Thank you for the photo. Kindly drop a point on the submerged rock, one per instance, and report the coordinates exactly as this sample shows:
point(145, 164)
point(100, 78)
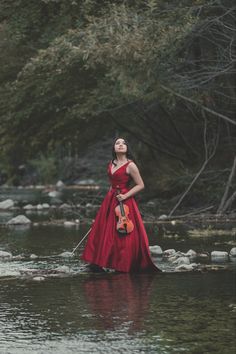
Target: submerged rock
point(69, 223)
point(19, 220)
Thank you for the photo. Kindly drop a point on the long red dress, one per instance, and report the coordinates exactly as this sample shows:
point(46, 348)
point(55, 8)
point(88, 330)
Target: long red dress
point(105, 246)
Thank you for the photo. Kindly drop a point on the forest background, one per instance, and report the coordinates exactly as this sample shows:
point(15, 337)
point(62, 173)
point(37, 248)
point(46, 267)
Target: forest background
point(76, 73)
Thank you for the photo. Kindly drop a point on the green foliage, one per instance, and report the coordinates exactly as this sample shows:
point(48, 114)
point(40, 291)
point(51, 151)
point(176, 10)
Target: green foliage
point(80, 60)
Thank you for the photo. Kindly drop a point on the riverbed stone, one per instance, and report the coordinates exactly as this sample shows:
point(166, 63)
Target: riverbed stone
point(29, 207)
point(219, 255)
point(6, 204)
point(19, 220)
point(69, 223)
point(186, 267)
point(191, 253)
point(38, 278)
point(169, 252)
point(156, 250)
point(233, 252)
point(182, 260)
point(5, 255)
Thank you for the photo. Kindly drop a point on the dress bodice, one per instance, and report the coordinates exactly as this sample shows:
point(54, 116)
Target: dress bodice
point(120, 178)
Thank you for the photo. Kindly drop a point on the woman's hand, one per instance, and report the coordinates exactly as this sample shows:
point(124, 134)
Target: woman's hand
point(121, 197)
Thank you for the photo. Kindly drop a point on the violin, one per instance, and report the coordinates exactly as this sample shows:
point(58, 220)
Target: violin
point(124, 224)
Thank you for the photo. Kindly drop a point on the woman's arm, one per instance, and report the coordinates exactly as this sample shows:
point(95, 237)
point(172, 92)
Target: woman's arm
point(133, 171)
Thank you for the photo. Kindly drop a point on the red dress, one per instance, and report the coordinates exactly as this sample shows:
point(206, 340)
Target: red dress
point(105, 246)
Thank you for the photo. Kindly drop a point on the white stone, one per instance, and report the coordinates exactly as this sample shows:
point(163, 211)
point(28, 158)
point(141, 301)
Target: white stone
point(4, 254)
point(191, 254)
point(33, 256)
point(63, 269)
point(28, 207)
point(65, 206)
point(156, 250)
point(6, 204)
point(89, 205)
point(54, 194)
point(39, 207)
point(233, 252)
point(45, 206)
point(219, 254)
point(60, 184)
point(86, 181)
point(19, 220)
point(169, 252)
point(66, 254)
point(38, 279)
point(186, 267)
point(182, 260)
point(69, 223)
point(163, 217)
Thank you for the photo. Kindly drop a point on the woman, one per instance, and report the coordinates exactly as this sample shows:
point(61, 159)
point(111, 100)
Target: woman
point(106, 247)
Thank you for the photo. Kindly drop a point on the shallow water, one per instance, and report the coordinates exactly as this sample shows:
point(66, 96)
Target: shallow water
point(78, 312)
point(71, 311)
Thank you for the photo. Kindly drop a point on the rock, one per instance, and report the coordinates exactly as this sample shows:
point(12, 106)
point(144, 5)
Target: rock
point(85, 182)
point(45, 206)
point(66, 254)
point(33, 256)
point(219, 255)
point(62, 269)
point(54, 194)
point(169, 252)
point(69, 223)
point(191, 254)
point(186, 267)
point(60, 184)
point(233, 252)
point(203, 255)
point(173, 222)
point(89, 205)
point(65, 206)
point(29, 207)
point(6, 204)
point(38, 279)
point(151, 203)
point(39, 207)
point(19, 220)
point(4, 254)
point(163, 217)
point(182, 260)
point(156, 250)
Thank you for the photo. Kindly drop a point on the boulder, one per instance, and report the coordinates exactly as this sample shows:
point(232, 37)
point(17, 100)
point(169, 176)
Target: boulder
point(69, 223)
point(6, 204)
point(60, 184)
point(233, 252)
point(219, 256)
point(19, 220)
point(29, 207)
point(156, 250)
point(5, 255)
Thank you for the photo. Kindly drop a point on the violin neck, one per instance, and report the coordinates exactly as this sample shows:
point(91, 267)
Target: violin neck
point(122, 209)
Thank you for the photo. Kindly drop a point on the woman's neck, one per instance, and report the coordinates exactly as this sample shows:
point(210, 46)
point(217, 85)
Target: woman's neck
point(121, 158)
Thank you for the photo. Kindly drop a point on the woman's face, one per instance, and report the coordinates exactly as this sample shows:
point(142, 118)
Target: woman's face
point(120, 146)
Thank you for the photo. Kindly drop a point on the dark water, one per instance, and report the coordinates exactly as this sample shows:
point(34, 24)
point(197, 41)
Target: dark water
point(72, 311)
point(105, 313)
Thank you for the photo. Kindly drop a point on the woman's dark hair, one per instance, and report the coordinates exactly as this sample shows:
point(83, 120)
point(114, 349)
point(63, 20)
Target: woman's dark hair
point(129, 154)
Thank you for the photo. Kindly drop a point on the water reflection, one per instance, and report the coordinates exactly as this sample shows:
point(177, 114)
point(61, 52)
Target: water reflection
point(119, 299)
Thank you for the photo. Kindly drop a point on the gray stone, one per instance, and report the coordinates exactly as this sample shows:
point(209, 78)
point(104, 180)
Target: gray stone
point(4, 254)
point(169, 252)
point(219, 254)
point(233, 252)
point(182, 260)
point(6, 204)
point(191, 254)
point(19, 220)
point(163, 217)
point(156, 250)
point(186, 267)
